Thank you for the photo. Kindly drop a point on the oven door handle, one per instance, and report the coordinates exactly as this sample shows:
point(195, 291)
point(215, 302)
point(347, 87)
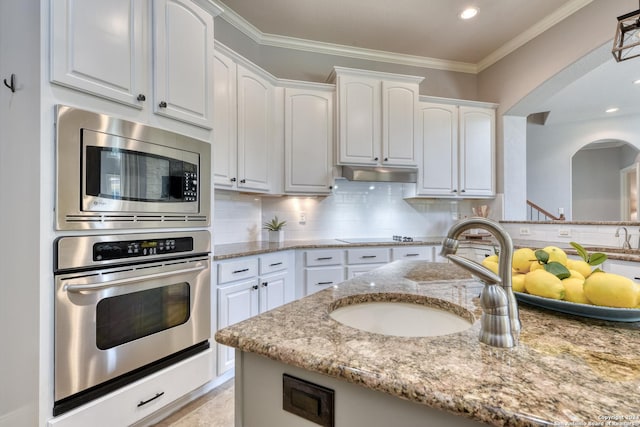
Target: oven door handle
point(103, 285)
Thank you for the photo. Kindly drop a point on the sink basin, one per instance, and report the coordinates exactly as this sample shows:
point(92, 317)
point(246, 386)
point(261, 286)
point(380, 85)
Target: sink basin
point(401, 319)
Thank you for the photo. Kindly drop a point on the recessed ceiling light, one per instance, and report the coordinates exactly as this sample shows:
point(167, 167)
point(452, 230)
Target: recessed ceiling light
point(611, 110)
point(469, 13)
point(636, 82)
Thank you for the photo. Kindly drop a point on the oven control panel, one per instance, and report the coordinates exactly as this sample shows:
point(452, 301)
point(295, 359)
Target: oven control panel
point(104, 251)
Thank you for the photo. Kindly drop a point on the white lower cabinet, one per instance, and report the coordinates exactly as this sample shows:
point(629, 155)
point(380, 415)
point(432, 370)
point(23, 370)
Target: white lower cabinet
point(320, 269)
point(362, 260)
point(423, 253)
point(126, 405)
point(248, 286)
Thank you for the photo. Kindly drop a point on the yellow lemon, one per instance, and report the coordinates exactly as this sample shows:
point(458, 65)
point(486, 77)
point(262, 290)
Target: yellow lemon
point(574, 291)
point(535, 265)
point(611, 290)
point(522, 258)
point(580, 266)
point(544, 284)
point(491, 265)
point(556, 254)
point(575, 274)
point(492, 258)
point(517, 282)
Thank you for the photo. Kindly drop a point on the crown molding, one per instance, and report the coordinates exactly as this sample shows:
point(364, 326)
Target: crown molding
point(285, 42)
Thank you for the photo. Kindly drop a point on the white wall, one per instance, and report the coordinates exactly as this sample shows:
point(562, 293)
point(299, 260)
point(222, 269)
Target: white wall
point(20, 183)
point(550, 149)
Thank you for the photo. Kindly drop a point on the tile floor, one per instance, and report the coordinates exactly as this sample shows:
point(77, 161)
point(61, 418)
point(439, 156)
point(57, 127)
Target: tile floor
point(214, 409)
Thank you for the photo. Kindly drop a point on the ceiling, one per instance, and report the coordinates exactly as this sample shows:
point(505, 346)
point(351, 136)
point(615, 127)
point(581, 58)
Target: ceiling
point(429, 33)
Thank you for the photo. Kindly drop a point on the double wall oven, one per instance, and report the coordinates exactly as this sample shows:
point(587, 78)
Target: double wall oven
point(127, 303)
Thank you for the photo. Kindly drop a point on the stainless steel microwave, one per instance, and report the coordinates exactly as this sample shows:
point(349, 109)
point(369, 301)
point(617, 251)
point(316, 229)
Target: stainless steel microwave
point(116, 174)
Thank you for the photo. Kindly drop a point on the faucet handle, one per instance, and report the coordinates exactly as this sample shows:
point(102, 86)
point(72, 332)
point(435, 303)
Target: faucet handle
point(477, 270)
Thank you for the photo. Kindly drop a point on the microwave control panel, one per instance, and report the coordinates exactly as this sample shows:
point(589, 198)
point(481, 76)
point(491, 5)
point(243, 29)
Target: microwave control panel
point(190, 190)
point(124, 249)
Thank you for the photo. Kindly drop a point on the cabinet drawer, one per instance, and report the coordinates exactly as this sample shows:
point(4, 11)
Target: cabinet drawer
point(367, 256)
point(412, 252)
point(273, 262)
point(122, 407)
point(322, 278)
point(324, 257)
point(243, 268)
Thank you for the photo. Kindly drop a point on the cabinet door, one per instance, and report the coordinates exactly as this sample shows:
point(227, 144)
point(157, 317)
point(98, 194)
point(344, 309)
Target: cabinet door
point(308, 139)
point(399, 140)
point(477, 148)
point(255, 104)
point(225, 121)
point(438, 174)
point(98, 47)
point(272, 290)
point(317, 279)
point(359, 109)
point(235, 303)
point(183, 62)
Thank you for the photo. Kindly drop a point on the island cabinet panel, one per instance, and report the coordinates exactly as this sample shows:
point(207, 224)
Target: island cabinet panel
point(458, 151)
point(377, 118)
point(104, 48)
point(259, 406)
point(243, 145)
point(308, 140)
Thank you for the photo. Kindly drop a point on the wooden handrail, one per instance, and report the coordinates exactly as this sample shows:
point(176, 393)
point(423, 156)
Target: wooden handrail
point(543, 212)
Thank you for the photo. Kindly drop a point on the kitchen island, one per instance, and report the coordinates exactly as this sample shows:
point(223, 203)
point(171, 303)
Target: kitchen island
point(565, 370)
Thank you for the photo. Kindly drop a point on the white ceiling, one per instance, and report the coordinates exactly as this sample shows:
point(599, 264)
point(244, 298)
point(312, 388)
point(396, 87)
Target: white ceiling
point(429, 32)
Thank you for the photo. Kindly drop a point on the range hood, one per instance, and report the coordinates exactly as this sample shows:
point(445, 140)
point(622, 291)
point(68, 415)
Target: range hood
point(379, 174)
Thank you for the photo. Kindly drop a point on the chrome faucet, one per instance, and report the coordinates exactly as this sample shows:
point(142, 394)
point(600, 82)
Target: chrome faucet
point(626, 244)
point(500, 322)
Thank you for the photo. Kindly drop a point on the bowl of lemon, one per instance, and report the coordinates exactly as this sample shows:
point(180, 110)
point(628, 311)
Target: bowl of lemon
point(548, 278)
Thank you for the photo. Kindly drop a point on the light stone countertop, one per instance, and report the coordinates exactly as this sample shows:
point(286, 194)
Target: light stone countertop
point(566, 370)
point(234, 250)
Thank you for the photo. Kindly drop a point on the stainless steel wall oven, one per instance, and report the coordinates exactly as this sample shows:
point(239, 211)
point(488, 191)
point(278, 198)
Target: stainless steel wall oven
point(116, 174)
point(127, 305)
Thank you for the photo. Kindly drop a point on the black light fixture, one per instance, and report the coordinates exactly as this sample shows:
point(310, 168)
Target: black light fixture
point(626, 43)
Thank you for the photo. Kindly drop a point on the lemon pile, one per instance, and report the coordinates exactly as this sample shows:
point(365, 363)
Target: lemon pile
point(549, 273)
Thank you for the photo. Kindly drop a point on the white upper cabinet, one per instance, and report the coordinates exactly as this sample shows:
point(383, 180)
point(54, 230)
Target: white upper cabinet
point(255, 108)
point(399, 123)
point(225, 123)
point(377, 118)
point(98, 47)
point(308, 139)
point(458, 151)
point(243, 126)
point(102, 48)
point(477, 151)
point(183, 61)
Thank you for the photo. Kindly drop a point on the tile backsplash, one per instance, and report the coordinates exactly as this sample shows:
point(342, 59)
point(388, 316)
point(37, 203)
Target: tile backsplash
point(354, 209)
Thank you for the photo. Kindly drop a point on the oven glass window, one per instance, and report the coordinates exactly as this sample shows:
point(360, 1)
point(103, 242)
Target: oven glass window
point(128, 317)
point(131, 175)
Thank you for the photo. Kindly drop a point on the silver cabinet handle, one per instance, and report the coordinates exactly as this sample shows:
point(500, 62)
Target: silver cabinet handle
point(324, 258)
point(412, 254)
point(324, 283)
point(119, 282)
point(368, 256)
point(240, 271)
point(275, 264)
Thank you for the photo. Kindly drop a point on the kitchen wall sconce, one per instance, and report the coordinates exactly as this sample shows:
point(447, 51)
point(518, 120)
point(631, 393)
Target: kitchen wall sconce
point(626, 43)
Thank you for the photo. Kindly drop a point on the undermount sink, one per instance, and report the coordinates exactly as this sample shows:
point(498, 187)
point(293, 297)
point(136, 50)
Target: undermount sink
point(402, 319)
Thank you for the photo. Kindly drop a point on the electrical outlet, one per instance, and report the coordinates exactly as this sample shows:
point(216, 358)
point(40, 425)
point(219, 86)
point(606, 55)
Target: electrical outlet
point(524, 231)
point(303, 218)
point(564, 232)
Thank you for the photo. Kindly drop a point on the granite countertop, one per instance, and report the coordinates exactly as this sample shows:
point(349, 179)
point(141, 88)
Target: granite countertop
point(233, 250)
point(565, 370)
